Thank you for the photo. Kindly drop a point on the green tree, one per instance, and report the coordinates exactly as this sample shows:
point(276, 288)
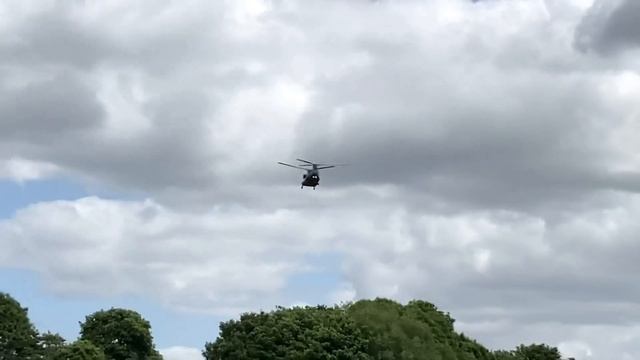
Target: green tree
point(417, 330)
point(313, 333)
point(394, 333)
point(377, 329)
point(79, 350)
point(506, 355)
point(121, 334)
point(537, 352)
point(50, 345)
point(18, 337)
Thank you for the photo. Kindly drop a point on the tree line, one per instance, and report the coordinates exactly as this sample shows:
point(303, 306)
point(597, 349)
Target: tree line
point(377, 329)
point(114, 334)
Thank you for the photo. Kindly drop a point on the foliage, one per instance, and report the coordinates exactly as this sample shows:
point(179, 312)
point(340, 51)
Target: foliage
point(79, 350)
point(377, 329)
point(506, 355)
point(529, 352)
point(299, 333)
point(18, 337)
point(50, 345)
point(369, 329)
point(122, 334)
point(537, 352)
point(417, 330)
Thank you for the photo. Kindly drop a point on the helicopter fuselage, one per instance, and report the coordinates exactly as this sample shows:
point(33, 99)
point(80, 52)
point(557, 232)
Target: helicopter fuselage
point(311, 178)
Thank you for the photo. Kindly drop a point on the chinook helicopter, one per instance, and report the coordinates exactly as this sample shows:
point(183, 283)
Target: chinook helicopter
point(312, 177)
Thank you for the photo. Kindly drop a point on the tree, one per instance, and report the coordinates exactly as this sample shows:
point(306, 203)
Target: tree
point(79, 350)
point(50, 345)
point(417, 330)
point(377, 329)
point(122, 334)
point(537, 352)
point(18, 337)
point(313, 333)
point(393, 332)
point(505, 355)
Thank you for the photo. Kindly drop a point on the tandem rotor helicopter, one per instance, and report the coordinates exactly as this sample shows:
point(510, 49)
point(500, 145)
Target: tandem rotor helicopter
point(312, 177)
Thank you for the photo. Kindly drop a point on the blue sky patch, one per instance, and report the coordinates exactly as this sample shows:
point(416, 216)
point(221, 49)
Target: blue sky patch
point(18, 195)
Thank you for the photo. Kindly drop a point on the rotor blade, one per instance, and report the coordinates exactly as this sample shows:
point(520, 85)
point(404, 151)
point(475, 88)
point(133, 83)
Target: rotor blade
point(325, 167)
point(293, 166)
point(333, 164)
point(305, 161)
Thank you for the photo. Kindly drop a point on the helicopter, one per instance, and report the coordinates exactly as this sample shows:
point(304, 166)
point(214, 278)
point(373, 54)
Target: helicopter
point(312, 177)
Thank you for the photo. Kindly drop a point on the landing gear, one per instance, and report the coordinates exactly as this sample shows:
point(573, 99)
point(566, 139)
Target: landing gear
point(301, 186)
point(314, 188)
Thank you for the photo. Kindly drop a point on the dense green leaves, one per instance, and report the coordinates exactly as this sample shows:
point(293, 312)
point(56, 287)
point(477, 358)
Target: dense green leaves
point(50, 345)
point(301, 333)
point(537, 352)
point(115, 334)
point(80, 350)
point(505, 355)
point(377, 329)
point(529, 352)
point(369, 329)
point(122, 334)
point(18, 337)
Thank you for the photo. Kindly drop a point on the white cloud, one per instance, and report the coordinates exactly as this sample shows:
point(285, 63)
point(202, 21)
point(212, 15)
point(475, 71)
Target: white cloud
point(20, 170)
point(219, 261)
point(123, 95)
point(575, 349)
point(344, 293)
point(181, 353)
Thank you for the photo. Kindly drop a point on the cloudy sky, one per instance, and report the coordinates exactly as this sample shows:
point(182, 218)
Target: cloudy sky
point(495, 163)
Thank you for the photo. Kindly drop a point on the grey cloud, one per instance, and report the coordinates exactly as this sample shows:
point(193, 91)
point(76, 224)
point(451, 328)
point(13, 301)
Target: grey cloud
point(62, 121)
point(49, 111)
point(170, 154)
point(55, 38)
point(70, 36)
point(580, 342)
point(186, 68)
point(464, 135)
point(610, 26)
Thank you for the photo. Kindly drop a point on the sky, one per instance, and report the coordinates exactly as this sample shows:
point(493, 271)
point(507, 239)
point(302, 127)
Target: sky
point(493, 150)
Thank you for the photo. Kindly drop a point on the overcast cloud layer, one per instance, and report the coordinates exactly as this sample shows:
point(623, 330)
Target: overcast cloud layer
point(493, 147)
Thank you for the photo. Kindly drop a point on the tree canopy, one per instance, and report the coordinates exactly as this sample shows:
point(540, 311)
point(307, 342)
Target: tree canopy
point(537, 352)
point(298, 333)
point(122, 334)
point(368, 329)
point(115, 334)
point(18, 337)
point(79, 350)
point(377, 329)
point(50, 345)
